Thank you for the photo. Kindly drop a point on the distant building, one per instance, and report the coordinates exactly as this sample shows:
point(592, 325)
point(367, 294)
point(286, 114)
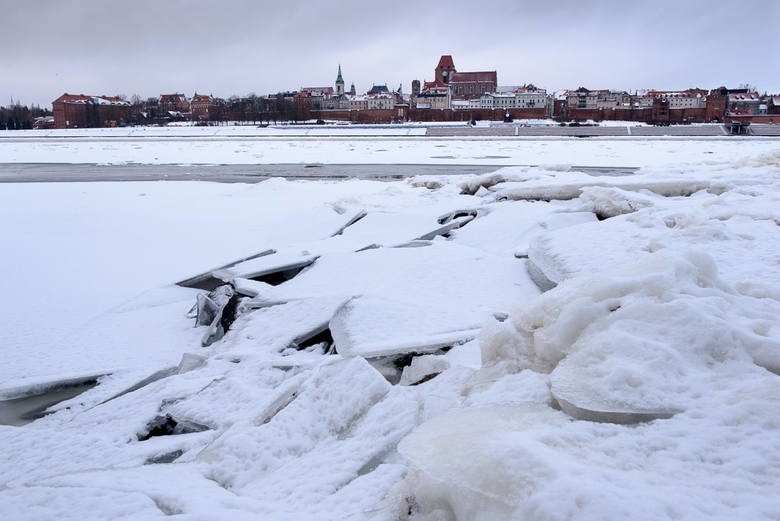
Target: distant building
point(520, 98)
point(686, 99)
point(340, 83)
point(434, 95)
point(320, 97)
point(378, 89)
point(326, 92)
point(464, 84)
point(585, 99)
point(177, 103)
point(82, 111)
point(201, 107)
point(773, 105)
point(378, 98)
point(530, 97)
point(415, 87)
point(743, 104)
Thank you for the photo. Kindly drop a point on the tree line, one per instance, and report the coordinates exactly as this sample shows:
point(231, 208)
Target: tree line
point(16, 116)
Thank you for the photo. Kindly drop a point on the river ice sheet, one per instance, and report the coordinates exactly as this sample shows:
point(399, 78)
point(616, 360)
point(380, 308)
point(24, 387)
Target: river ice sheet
point(665, 303)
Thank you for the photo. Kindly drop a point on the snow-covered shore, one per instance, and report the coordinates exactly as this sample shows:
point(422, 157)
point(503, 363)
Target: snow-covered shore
point(586, 347)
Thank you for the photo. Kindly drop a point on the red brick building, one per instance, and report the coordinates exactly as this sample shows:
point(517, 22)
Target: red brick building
point(773, 105)
point(202, 107)
point(464, 85)
point(717, 101)
point(173, 103)
point(82, 111)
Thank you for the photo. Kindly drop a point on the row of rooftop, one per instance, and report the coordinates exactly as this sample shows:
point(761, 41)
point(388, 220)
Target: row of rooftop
point(451, 96)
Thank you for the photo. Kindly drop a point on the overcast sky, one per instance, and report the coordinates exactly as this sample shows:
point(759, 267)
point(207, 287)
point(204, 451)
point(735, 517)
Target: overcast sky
point(149, 47)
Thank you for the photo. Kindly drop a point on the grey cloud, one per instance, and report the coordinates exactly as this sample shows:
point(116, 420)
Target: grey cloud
point(240, 46)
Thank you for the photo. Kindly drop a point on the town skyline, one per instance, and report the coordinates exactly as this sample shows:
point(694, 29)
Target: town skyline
point(249, 48)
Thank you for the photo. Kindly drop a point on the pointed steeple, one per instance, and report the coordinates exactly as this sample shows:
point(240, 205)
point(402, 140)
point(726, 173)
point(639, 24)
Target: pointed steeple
point(339, 83)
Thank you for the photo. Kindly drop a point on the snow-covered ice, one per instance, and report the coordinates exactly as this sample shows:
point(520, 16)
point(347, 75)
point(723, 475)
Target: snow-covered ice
point(581, 347)
point(248, 146)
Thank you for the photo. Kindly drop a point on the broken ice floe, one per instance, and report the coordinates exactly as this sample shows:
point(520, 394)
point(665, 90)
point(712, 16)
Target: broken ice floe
point(361, 327)
point(284, 327)
point(221, 306)
point(561, 191)
point(411, 367)
point(189, 362)
point(269, 267)
point(486, 182)
point(207, 281)
point(456, 214)
point(498, 466)
point(423, 368)
point(24, 404)
point(508, 227)
point(383, 228)
point(632, 346)
point(355, 217)
point(608, 202)
point(646, 223)
point(319, 337)
point(447, 227)
point(274, 269)
point(166, 425)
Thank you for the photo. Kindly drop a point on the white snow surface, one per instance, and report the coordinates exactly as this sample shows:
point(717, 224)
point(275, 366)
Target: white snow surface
point(643, 383)
point(356, 145)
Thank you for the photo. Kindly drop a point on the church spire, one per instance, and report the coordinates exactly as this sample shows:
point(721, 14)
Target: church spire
point(339, 83)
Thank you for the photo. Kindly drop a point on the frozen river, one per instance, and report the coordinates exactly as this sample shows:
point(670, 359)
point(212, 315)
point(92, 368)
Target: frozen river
point(40, 172)
point(466, 346)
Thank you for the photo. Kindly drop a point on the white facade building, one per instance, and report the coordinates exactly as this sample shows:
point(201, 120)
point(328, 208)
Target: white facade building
point(520, 98)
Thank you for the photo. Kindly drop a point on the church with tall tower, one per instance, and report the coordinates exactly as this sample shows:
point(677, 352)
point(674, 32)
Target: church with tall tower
point(463, 85)
point(339, 83)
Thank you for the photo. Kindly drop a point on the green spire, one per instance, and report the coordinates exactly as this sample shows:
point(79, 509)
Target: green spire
point(339, 79)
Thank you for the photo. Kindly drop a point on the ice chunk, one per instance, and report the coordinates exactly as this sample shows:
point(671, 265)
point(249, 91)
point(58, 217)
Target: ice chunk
point(206, 310)
point(31, 404)
point(509, 226)
point(451, 224)
point(190, 362)
point(274, 269)
point(423, 368)
point(168, 426)
point(362, 327)
point(496, 468)
point(226, 298)
point(354, 217)
point(633, 346)
point(559, 190)
point(208, 281)
point(608, 202)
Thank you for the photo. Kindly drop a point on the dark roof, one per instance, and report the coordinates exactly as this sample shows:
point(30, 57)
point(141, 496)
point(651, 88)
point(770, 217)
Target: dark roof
point(172, 98)
point(83, 98)
point(434, 83)
point(469, 77)
point(379, 89)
